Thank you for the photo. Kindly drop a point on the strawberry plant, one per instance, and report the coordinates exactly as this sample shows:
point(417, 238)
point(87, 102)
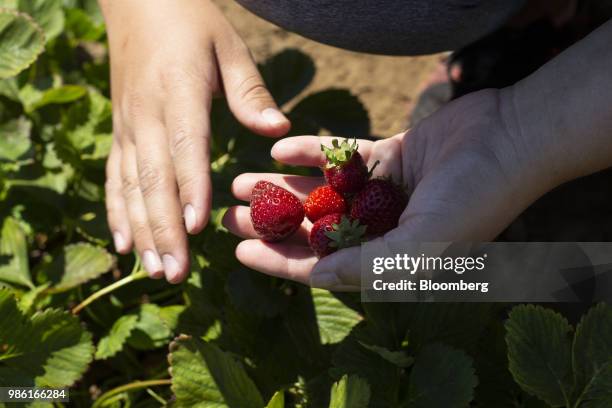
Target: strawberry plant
point(73, 314)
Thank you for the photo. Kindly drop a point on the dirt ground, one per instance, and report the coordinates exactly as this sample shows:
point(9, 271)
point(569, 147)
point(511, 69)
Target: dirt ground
point(388, 86)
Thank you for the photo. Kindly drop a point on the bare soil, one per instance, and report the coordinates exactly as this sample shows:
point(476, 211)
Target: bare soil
point(388, 86)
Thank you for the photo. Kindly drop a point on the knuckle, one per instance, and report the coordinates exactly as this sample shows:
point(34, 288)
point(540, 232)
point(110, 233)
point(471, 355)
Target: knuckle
point(187, 184)
point(130, 186)
point(150, 177)
point(183, 141)
point(252, 89)
point(163, 231)
point(140, 232)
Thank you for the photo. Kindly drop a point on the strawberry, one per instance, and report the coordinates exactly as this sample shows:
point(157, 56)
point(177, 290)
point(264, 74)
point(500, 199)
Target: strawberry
point(322, 201)
point(379, 205)
point(344, 169)
point(334, 231)
point(275, 212)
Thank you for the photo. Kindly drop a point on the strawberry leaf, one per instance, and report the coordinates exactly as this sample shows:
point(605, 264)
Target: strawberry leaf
point(46, 349)
point(539, 353)
point(335, 320)
point(113, 342)
point(21, 41)
point(14, 254)
point(77, 264)
point(442, 377)
point(205, 376)
point(350, 392)
point(398, 358)
point(592, 358)
point(277, 400)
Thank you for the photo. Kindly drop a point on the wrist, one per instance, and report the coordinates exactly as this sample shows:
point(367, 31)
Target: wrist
point(535, 167)
point(562, 113)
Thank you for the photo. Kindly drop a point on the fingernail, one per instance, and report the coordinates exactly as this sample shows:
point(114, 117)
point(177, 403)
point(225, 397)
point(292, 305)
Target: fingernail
point(120, 244)
point(190, 217)
point(325, 280)
point(273, 116)
point(152, 264)
point(171, 267)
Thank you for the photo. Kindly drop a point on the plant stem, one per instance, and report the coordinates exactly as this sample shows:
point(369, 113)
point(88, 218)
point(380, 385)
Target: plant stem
point(136, 385)
point(108, 289)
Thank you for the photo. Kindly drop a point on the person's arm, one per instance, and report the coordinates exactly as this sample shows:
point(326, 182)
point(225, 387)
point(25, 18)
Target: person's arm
point(168, 58)
point(470, 168)
point(563, 112)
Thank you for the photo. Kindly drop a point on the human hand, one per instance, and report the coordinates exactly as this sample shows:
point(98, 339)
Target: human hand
point(168, 58)
point(468, 175)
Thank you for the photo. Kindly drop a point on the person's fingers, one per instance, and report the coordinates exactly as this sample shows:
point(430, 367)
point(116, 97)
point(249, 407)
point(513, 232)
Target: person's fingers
point(116, 210)
point(388, 153)
point(306, 150)
point(160, 194)
point(277, 259)
point(245, 90)
point(301, 186)
point(137, 213)
point(340, 271)
point(187, 123)
point(238, 221)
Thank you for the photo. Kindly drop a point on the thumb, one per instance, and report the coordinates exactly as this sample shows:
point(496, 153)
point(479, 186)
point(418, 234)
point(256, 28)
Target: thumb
point(340, 271)
point(246, 92)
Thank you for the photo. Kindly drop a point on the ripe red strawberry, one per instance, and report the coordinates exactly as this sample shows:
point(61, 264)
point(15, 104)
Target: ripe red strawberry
point(275, 212)
point(333, 232)
point(379, 205)
point(322, 201)
point(344, 169)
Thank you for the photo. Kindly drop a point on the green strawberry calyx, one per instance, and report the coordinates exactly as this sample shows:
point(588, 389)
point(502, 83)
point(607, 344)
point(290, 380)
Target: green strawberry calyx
point(340, 153)
point(346, 234)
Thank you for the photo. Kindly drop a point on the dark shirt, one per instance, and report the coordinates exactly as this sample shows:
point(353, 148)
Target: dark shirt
point(392, 27)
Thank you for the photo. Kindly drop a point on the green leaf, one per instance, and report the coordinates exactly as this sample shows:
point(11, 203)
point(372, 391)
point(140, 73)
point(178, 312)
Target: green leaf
point(170, 315)
point(350, 392)
point(192, 382)
point(28, 299)
point(14, 266)
point(59, 95)
point(277, 400)
point(336, 110)
point(592, 358)
point(77, 264)
point(85, 131)
point(151, 330)
point(335, 320)
point(47, 349)
point(21, 41)
point(382, 376)
point(113, 342)
point(205, 376)
point(10, 88)
point(231, 378)
point(10, 4)
point(15, 139)
point(455, 324)
point(82, 27)
point(398, 358)
point(539, 353)
point(47, 13)
point(442, 377)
